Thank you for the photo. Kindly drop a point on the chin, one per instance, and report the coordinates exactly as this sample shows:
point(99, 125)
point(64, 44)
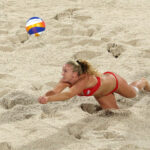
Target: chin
point(65, 80)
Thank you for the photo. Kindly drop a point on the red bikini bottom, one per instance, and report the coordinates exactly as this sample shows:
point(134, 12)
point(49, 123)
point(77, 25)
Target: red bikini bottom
point(116, 83)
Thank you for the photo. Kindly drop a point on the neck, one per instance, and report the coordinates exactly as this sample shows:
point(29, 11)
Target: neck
point(77, 78)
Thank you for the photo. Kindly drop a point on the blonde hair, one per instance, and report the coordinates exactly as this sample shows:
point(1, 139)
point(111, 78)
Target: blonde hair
point(83, 67)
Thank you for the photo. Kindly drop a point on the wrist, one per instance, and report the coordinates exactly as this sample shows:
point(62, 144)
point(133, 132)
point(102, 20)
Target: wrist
point(48, 98)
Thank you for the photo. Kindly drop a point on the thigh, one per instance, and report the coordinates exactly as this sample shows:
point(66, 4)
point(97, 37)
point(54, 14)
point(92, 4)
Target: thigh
point(108, 102)
point(125, 89)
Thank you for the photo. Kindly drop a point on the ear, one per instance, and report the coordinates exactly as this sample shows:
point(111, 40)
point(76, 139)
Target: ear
point(75, 74)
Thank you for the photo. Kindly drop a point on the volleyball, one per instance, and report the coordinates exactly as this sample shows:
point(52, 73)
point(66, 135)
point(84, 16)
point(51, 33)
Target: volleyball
point(35, 25)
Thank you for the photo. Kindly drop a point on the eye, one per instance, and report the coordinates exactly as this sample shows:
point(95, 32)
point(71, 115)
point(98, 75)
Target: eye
point(64, 70)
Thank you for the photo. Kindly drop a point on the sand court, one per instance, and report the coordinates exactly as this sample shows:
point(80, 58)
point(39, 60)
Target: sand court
point(112, 35)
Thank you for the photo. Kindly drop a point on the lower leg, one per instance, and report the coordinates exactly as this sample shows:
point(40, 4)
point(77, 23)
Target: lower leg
point(108, 102)
point(141, 84)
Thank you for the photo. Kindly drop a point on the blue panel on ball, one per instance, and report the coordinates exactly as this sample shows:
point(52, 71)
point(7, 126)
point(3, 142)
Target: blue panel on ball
point(36, 30)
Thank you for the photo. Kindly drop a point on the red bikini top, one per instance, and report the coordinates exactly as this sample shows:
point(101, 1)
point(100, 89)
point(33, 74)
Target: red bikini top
point(92, 90)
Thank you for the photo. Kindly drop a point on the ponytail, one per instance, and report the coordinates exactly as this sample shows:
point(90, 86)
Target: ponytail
point(83, 67)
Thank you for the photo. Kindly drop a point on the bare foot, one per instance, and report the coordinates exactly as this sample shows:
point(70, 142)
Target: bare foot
point(147, 85)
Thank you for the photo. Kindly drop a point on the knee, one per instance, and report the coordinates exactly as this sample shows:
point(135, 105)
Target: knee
point(135, 91)
point(132, 94)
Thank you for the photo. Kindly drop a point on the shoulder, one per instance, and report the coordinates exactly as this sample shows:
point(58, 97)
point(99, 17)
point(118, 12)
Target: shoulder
point(67, 84)
point(81, 82)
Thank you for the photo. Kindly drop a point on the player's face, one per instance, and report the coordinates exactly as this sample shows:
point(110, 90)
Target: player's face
point(67, 72)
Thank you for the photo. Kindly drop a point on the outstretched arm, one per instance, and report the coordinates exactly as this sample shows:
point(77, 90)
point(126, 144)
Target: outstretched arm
point(73, 91)
point(49, 93)
point(55, 97)
point(60, 96)
point(59, 87)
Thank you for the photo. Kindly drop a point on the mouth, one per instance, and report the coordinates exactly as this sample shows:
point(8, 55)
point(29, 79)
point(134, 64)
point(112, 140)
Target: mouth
point(63, 77)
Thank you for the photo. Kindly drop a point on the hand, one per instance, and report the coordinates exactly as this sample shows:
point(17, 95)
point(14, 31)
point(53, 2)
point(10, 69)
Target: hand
point(43, 100)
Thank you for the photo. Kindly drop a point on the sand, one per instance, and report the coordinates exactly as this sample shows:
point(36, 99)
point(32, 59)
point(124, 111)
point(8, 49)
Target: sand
point(112, 35)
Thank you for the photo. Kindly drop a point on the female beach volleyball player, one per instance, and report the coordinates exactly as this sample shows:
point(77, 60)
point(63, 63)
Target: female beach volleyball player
point(83, 80)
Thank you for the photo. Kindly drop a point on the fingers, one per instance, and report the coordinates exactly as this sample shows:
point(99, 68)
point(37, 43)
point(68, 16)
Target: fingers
point(42, 100)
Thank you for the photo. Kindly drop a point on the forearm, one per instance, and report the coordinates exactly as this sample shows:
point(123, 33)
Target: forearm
point(59, 97)
point(49, 93)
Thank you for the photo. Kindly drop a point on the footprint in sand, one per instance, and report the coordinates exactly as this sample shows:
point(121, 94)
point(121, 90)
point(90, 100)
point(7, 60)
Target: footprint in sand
point(19, 113)
point(114, 112)
point(86, 30)
point(90, 108)
point(5, 146)
point(115, 49)
point(86, 55)
point(50, 111)
point(17, 98)
point(68, 15)
point(65, 14)
point(76, 130)
point(126, 103)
